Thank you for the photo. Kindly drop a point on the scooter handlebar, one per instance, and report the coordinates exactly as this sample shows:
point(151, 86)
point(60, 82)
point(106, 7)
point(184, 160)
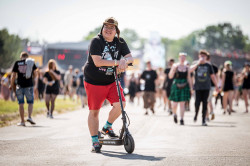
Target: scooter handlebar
point(130, 64)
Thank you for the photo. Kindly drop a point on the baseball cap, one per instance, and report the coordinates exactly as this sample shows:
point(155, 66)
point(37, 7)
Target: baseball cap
point(111, 21)
point(228, 63)
point(182, 53)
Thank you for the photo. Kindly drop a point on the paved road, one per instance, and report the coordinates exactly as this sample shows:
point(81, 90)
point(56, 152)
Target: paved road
point(65, 140)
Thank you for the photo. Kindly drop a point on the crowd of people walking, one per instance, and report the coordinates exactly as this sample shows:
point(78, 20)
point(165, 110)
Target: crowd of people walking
point(174, 86)
point(28, 81)
point(202, 80)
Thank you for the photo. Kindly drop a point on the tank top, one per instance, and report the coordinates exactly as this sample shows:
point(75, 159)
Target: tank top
point(229, 81)
point(246, 82)
point(180, 74)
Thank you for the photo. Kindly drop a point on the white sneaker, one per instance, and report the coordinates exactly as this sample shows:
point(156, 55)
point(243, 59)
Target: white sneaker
point(31, 121)
point(21, 124)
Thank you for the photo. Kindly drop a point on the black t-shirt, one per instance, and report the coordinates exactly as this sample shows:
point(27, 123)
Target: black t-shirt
point(168, 82)
point(108, 51)
point(55, 86)
point(74, 80)
point(81, 78)
point(202, 77)
point(149, 77)
point(20, 68)
point(215, 68)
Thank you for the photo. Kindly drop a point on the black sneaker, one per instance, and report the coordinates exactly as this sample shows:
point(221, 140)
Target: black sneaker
point(31, 121)
point(153, 111)
point(96, 148)
point(182, 122)
point(195, 118)
point(204, 124)
point(175, 118)
point(170, 112)
point(110, 132)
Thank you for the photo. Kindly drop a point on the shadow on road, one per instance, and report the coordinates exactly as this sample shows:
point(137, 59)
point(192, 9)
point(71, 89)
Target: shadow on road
point(60, 118)
point(132, 156)
point(219, 122)
point(210, 125)
point(36, 126)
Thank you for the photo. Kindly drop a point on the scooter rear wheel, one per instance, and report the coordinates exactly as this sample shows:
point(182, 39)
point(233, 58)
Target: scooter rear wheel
point(129, 143)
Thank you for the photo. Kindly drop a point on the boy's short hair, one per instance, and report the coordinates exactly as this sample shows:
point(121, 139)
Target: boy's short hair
point(171, 60)
point(24, 55)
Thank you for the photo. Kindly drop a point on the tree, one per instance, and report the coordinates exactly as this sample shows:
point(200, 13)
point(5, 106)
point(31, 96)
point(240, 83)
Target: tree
point(186, 44)
point(222, 36)
point(10, 48)
point(93, 33)
point(132, 39)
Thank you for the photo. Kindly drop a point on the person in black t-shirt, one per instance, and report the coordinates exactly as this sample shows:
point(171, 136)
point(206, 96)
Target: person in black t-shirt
point(150, 76)
point(51, 79)
point(106, 49)
point(132, 88)
point(40, 85)
point(74, 84)
point(81, 92)
point(25, 70)
point(203, 75)
point(167, 86)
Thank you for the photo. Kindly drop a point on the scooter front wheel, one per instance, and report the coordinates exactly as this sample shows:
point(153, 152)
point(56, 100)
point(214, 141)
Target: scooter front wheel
point(129, 143)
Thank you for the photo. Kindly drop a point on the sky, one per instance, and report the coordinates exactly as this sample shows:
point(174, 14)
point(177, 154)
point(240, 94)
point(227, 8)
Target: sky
point(71, 20)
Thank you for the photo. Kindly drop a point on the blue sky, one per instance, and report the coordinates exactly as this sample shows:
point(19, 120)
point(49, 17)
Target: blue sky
point(71, 20)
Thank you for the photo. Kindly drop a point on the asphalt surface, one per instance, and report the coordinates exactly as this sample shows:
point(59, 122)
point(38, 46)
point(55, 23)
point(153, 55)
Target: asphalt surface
point(65, 140)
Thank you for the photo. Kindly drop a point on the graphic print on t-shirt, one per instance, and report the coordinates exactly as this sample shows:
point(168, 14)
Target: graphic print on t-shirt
point(202, 73)
point(148, 76)
point(107, 51)
point(22, 68)
point(107, 55)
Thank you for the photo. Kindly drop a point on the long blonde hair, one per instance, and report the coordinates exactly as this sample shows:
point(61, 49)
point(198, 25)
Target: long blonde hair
point(50, 67)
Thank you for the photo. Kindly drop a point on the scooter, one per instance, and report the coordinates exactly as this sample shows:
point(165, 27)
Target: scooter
point(125, 138)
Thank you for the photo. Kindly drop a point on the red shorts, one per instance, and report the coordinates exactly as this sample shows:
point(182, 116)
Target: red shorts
point(98, 93)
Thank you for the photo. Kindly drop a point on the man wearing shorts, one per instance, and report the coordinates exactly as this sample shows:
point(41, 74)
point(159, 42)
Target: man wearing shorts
point(106, 49)
point(24, 69)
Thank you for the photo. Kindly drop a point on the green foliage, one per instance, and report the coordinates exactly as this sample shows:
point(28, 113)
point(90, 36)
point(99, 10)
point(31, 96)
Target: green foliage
point(222, 36)
point(93, 33)
point(132, 38)
point(186, 44)
point(9, 110)
point(10, 48)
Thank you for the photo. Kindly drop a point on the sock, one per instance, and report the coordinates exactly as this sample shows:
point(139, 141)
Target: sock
point(107, 125)
point(95, 138)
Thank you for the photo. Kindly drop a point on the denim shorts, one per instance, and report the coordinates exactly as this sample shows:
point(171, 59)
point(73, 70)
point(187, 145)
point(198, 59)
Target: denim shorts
point(27, 92)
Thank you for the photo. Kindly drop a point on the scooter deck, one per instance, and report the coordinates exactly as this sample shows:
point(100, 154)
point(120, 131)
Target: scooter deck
point(115, 141)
